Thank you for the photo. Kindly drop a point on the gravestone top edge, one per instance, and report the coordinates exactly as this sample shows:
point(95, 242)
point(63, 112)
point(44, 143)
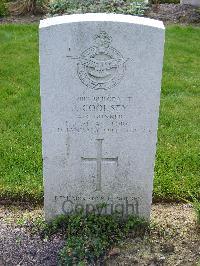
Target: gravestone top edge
point(101, 17)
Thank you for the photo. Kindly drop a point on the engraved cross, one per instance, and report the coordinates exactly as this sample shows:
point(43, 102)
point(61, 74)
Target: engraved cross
point(99, 159)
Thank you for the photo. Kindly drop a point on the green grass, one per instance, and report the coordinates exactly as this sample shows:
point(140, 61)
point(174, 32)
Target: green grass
point(178, 154)
point(196, 207)
point(178, 151)
point(20, 135)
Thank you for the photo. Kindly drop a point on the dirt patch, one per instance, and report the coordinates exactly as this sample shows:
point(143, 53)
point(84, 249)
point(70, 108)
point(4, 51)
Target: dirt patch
point(168, 13)
point(175, 13)
point(29, 19)
point(174, 239)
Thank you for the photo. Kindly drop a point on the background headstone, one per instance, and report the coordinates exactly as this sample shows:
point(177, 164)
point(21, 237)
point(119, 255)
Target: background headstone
point(100, 93)
point(191, 2)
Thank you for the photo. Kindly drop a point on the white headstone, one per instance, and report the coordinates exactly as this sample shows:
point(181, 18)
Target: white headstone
point(100, 92)
point(191, 2)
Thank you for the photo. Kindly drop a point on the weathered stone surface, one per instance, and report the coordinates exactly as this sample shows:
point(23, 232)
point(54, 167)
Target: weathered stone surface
point(191, 2)
point(100, 93)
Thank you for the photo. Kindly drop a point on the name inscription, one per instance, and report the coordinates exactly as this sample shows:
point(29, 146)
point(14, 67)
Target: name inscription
point(97, 114)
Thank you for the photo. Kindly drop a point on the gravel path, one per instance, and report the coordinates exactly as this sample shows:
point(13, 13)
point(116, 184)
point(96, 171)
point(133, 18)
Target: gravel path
point(18, 244)
point(174, 239)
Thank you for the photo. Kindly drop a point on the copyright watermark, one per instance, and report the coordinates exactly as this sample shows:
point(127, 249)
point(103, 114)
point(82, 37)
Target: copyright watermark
point(123, 208)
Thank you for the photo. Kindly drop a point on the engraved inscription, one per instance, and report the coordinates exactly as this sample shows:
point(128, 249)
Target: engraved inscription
point(100, 114)
point(99, 159)
point(101, 67)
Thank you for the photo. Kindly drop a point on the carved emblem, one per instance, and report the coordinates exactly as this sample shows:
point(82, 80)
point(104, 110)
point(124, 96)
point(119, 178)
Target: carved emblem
point(101, 66)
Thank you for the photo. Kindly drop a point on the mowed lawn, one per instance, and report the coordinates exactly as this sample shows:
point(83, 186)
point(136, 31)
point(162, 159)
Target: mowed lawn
point(177, 169)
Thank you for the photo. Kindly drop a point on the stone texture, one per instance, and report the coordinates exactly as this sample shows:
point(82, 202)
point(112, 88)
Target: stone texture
point(191, 2)
point(100, 93)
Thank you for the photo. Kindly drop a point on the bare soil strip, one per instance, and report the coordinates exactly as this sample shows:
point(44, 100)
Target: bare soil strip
point(174, 239)
point(168, 13)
